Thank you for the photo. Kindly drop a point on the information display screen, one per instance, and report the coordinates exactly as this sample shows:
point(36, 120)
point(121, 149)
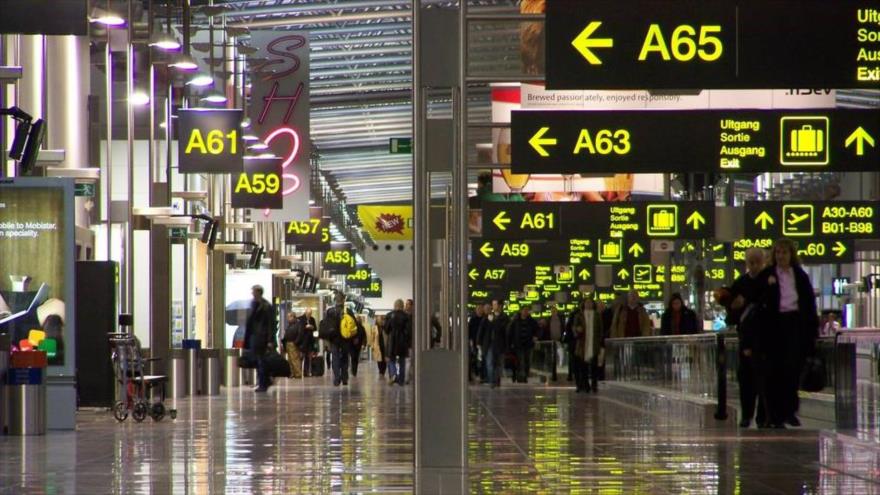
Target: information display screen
point(721, 141)
point(744, 44)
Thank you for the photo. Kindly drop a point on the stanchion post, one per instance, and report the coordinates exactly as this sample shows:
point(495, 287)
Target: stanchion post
point(721, 370)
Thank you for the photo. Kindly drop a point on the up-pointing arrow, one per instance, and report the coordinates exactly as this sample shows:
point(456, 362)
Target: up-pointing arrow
point(860, 136)
point(764, 219)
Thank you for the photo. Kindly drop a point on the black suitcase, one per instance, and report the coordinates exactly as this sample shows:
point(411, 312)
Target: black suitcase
point(317, 366)
point(276, 365)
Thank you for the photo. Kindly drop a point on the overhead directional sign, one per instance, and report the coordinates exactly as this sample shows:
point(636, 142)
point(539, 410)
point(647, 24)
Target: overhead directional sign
point(309, 235)
point(662, 220)
point(811, 251)
point(807, 220)
point(259, 186)
point(723, 141)
point(666, 44)
point(374, 290)
point(360, 278)
point(209, 140)
point(340, 259)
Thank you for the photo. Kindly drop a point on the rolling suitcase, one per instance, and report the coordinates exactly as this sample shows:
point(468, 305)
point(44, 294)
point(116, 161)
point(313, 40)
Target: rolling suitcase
point(317, 366)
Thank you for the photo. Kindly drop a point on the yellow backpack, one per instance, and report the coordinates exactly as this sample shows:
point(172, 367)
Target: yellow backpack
point(348, 326)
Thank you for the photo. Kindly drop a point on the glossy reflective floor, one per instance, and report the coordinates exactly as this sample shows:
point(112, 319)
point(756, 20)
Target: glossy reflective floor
point(310, 437)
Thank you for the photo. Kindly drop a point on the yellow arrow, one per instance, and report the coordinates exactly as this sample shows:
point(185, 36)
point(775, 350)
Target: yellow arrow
point(584, 274)
point(473, 274)
point(764, 219)
point(860, 136)
point(501, 220)
point(636, 249)
point(623, 273)
point(487, 249)
point(583, 43)
point(839, 248)
point(695, 219)
point(538, 141)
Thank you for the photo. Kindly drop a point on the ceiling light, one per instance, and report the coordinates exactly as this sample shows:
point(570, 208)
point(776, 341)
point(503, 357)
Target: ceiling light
point(250, 137)
point(201, 80)
point(259, 146)
point(106, 17)
point(246, 123)
point(164, 41)
point(184, 62)
point(139, 98)
point(163, 125)
point(214, 97)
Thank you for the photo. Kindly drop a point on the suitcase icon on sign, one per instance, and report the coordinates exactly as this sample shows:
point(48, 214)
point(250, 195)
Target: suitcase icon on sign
point(803, 141)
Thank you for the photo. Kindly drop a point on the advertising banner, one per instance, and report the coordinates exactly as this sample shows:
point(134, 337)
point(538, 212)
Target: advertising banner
point(387, 222)
point(279, 115)
point(36, 265)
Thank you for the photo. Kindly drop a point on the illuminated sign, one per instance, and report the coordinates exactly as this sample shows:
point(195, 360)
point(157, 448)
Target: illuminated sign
point(662, 220)
point(361, 278)
point(726, 45)
point(309, 235)
point(374, 289)
point(209, 141)
point(808, 220)
point(728, 141)
point(259, 186)
point(810, 251)
point(340, 259)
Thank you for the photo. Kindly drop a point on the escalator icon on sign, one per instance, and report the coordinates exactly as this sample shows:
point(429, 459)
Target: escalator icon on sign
point(804, 141)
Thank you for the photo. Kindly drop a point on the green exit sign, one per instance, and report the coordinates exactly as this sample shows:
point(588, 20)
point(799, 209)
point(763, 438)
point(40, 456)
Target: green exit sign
point(86, 190)
point(402, 146)
point(177, 234)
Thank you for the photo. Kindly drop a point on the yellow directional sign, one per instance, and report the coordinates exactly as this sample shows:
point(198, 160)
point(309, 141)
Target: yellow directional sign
point(663, 220)
point(636, 249)
point(839, 249)
point(764, 219)
point(584, 43)
point(642, 274)
point(584, 274)
point(474, 274)
point(623, 273)
point(538, 141)
point(487, 250)
point(860, 136)
point(501, 220)
point(695, 220)
point(610, 251)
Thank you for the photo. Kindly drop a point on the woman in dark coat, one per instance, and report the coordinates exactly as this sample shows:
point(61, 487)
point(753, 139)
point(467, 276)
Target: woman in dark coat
point(589, 341)
point(790, 325)
point(678, 319)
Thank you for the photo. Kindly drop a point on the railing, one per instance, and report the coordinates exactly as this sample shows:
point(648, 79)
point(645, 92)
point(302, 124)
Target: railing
point(857, 384)
point(550, 360)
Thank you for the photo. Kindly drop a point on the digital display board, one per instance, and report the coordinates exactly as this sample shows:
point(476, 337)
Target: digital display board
point(809, 220)
point(644, 220)
point(721, 141)
point(209, 141)
point(745, 44)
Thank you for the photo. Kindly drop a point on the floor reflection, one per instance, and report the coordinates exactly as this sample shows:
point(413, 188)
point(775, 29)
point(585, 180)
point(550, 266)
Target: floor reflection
point(311, 437)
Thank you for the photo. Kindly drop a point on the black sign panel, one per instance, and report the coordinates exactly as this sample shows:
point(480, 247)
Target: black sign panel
point(722, 141)
point(209, 141)
point(309, 235)
point(660, 220)
point(361, 277)
point(340, 259)
point(810, 251)
point(44, 17)
point(374, 290)
point(680, 44)
point(259, 186)
point(808, 220)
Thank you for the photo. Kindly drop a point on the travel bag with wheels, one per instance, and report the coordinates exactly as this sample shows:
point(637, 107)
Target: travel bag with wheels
point(276, 365)
point(317, 366)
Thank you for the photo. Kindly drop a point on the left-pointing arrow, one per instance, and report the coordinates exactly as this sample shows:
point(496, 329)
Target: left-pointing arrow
point(501, 220)
point(487, 249)
point(583, 43)
point(538, 141)
point(473, 274)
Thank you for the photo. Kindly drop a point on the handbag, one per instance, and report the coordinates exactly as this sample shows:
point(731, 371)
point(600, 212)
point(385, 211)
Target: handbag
point(276, 365)
point(813, 375)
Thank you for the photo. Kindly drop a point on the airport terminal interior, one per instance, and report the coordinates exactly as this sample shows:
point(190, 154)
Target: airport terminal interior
point(439, 247)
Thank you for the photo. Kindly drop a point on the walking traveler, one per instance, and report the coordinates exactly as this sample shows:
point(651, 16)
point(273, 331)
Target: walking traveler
point(556, 327)
point(376, 341)
point(589, 344)
point(338, 328)
point(473, 331)
point(523, 330)
point(259, 334)
point(678, 319)
point(399, 338)
point(631, 319)
point(493, 341)
point(307, 345)
point(357, 344)
point(292, 340)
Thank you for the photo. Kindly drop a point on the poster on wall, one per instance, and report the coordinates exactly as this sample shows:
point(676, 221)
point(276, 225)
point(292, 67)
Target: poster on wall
point(387, 222)
point(279, 115)
point(36, 265)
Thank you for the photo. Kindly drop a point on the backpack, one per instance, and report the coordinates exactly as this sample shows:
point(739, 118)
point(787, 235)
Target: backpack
point(348, 327)
point(328, 328)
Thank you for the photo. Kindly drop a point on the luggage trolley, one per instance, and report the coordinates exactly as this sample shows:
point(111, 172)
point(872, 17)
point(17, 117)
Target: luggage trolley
point(136, 387)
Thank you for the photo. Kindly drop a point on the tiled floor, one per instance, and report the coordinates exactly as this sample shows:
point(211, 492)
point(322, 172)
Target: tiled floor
point(313, 438)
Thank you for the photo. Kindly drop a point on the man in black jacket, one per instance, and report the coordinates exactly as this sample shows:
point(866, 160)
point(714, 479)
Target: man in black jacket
point(473, 333)
point(743, 294)
point(493, 341)
point(398, 340)
point(340, 347)
point(293, 335)
point(259, 334)
point(307, 341)
point(523, 330)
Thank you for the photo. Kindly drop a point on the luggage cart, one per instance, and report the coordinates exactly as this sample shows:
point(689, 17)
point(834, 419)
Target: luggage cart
point(135, 386)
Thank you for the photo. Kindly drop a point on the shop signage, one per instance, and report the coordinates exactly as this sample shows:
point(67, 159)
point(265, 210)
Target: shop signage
point(809, 220)
point(309, 235)
point(374, 290)
point(340, 259)
point(259, 186)
point(209, 141)
point(361, 277)
point(663, 44)
point(279, 115)
point(387, 222)
point(662, 220)
point(401, 146)
point(723, 141)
